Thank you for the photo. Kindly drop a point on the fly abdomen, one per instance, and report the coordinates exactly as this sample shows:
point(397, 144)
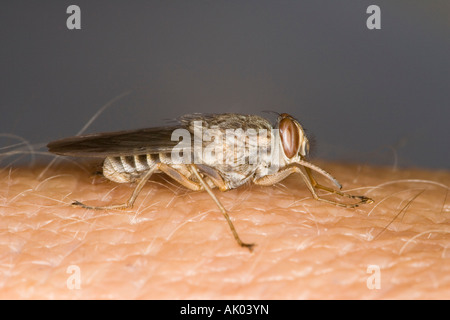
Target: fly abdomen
point(124, 169)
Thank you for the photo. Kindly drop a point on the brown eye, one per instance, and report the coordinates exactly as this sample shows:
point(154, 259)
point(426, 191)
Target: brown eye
point(290, 138)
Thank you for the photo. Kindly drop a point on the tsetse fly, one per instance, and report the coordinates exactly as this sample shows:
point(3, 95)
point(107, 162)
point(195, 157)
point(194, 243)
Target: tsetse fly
point(206, 151)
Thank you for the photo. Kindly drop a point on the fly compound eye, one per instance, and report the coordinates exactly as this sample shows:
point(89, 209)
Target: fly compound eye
point(290, 136)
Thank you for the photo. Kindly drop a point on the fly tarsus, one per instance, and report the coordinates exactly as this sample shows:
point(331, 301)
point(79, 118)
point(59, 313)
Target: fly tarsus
point(115, 207)
point(249, 246)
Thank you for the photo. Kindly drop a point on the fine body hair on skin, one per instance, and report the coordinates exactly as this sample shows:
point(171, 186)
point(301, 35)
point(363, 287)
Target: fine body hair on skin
point(175, 243)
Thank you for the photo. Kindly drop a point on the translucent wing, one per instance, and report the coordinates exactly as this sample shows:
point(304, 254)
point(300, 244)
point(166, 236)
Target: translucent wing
point(120, 143)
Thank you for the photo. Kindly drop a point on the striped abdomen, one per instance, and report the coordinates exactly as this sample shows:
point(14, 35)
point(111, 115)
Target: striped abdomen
point(128, 168)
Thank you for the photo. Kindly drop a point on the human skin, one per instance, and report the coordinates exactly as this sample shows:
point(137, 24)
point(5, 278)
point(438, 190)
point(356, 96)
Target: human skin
point(175, 243)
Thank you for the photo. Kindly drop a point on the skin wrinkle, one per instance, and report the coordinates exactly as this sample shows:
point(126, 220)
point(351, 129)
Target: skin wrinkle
point(175, 244)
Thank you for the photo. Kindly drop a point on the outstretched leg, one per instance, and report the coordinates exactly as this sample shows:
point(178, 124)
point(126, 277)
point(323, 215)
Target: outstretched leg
point(171, 172)
point(130, 201)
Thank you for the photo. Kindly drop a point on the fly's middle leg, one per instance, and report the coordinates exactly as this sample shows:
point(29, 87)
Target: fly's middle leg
point(222, 186)
point(203, 185)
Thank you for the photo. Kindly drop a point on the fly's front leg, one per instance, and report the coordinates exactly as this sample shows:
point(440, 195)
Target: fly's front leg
point(310, 183)
point(214, 177)
point(316, 185)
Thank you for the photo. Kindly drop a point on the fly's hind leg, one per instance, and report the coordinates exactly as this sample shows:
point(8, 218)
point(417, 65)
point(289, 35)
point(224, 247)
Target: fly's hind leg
point(186, 182)
point(130, 201)
point(171, 172)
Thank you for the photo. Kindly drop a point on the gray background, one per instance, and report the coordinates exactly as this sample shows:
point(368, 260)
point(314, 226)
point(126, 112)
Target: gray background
point(368, 96)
